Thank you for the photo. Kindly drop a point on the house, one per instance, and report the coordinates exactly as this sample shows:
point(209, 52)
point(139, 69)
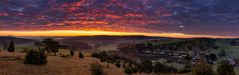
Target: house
point(169, 55)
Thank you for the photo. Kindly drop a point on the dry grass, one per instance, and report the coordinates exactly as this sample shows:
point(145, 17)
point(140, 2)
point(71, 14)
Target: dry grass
point(12, 64)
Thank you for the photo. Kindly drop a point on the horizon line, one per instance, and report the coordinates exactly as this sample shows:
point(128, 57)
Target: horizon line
point(68, 33)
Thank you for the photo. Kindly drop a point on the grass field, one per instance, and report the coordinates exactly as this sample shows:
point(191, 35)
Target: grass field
point(12, 64)
point(231, 51)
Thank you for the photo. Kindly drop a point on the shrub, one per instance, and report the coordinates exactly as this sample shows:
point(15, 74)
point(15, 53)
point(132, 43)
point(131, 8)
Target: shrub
point(96, 55)
point(118, 65)
point(103, 56)
point(11, 47)
point(51, 45)
point(146, 66)
point(128, 70)
point(81, 55)
point(212, 57)
point(35, 57)
point(171, 69)
point(225, 68)
point(97, 69)
point(186, 69)
point(25, 49)
point(72, 53)
point(203, 69)
point(135, 68)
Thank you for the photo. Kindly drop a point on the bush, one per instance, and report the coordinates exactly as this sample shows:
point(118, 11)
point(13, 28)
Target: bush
point(146, 66)
point(135, 69)
point(35, 57)
point(25, 49)
point(97, 69)
point(171, 69)
point(162, 68)
point(72, 53)
point(212, 57)
point(103, 56)
point(186, 69)
point(95, 55)
point(118, 65)
point(128, 70)
point(81, 55)
point(11, 47)
point(225, 68)
point(203, 69)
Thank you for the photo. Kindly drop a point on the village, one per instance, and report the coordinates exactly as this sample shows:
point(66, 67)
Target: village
point(182, 56)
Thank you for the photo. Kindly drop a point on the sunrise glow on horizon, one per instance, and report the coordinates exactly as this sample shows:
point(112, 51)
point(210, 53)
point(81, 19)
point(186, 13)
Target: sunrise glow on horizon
point(94, 33)
point(167, 18)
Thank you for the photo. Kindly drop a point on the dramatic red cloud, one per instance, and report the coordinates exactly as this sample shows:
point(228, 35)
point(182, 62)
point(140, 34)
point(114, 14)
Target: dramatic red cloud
point(141, 16)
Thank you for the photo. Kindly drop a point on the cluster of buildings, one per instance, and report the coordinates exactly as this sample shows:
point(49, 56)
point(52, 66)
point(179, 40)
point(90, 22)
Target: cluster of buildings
point(168, 55)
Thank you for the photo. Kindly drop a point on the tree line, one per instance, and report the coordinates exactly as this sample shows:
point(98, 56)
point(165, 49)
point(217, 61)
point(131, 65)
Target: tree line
point(147, 66)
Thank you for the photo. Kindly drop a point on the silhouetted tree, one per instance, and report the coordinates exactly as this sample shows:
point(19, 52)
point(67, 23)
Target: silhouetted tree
point(11, 47)
point(72, 53)
point(81, 55)
point(96, 55)
point(158, 68)
point(225, 68)
point(128, 70)
point(51, 45)
point(118, 64)
point(124, 65)
point(146, 66)
point(212, 56)
point(203, 69)
point(97, 69)
point(186, 69)
point(35, 57)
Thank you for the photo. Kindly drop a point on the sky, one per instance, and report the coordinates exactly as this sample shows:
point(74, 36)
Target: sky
point(173, 18)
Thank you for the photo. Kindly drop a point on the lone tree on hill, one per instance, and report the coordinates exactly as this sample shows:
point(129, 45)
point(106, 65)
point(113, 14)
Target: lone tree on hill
point(51, 45)
point(11, 47)
point(225, 68)
point(72, 53)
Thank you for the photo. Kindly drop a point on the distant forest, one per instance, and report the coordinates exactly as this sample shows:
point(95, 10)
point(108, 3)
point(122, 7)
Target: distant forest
point(179, 45)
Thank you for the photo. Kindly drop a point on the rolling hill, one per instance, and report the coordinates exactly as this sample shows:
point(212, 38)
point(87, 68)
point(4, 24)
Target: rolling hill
point(17, 41)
